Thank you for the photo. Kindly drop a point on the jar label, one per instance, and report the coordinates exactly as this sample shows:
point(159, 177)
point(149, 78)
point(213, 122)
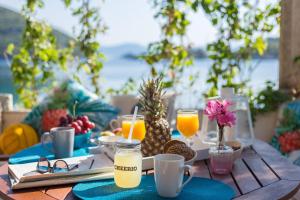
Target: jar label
point(124, 168)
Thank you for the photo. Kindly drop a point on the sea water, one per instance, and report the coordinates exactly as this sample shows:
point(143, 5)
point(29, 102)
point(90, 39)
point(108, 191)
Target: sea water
point(118, 70)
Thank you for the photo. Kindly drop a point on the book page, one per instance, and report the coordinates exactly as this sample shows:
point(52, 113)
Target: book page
point(59, 181)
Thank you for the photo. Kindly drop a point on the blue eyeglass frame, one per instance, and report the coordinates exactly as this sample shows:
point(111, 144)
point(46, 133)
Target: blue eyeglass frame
point(52, 169)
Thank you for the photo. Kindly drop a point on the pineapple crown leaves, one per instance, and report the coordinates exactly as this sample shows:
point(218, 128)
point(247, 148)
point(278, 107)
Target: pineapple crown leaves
point(151, 100)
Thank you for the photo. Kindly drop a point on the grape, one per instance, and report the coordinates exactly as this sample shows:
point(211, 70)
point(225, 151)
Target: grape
point(63, 120)
point(84, 118)
point(91, 125)
point(76, 127)
point(79, 122)
point(85, 124)
point(74, 123)
point(70, 119)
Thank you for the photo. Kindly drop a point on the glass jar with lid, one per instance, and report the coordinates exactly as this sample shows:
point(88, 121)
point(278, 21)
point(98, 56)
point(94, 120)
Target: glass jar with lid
point(128, 164)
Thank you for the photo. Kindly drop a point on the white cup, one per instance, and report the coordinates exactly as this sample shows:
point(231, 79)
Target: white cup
point(168, 174)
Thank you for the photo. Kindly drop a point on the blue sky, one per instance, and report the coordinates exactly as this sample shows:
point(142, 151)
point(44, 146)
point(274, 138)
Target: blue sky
point(129, 21)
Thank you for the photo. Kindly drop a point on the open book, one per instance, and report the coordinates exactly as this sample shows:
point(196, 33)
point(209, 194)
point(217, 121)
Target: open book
point(91, 167)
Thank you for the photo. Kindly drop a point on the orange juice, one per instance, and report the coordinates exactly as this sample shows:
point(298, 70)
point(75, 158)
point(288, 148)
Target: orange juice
point(187, 124)
point(139, 130)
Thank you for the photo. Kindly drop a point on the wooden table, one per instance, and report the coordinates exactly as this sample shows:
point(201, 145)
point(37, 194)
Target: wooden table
point(261, 173)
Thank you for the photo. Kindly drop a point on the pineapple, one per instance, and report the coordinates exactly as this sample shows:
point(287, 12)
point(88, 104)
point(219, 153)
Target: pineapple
point(157, 127)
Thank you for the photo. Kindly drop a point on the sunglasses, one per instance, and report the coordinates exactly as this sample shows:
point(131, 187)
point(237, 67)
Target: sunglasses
point(44, 166)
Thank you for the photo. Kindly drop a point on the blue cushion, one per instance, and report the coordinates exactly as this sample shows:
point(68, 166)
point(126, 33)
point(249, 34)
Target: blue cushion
point(291, 116)
point(89, 104)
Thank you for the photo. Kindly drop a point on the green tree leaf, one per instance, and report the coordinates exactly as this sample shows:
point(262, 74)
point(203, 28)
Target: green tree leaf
point(260, 45)
point(10, 48)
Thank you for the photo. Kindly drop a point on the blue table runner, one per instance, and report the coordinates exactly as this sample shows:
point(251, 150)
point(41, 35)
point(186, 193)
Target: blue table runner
point(197, 188)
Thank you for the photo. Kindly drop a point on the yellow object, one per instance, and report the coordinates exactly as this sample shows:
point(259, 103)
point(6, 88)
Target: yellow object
point(127, 169)
point(139, 130)
point(17, 137)
point(107, 133)
point(187, 124)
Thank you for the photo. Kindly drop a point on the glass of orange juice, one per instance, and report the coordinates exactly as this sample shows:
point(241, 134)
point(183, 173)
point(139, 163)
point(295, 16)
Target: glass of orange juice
point(188, 123)
point(139, 130)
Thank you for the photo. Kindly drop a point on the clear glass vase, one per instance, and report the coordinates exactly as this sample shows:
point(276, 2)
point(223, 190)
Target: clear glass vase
point(221, 159)
point(221, 156)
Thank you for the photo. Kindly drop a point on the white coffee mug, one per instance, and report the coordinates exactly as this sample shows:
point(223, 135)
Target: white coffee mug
point(115, 123)
point(168, 174)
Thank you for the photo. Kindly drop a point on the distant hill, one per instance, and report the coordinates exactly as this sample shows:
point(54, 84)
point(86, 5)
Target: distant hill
point(132, 51)
point(12, 25)
point(272, 50)
point(127, 50)
point(11, 28)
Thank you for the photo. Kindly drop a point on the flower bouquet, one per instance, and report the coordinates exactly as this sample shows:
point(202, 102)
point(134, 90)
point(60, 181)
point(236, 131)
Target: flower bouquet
point(221, 156)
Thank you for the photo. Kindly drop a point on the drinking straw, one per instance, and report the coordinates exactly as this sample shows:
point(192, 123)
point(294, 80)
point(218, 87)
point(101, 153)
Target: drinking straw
point(132, 123)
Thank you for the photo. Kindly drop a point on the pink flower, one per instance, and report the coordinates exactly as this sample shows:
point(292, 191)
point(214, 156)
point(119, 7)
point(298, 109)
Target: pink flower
point(219, 110)
point(227, 119)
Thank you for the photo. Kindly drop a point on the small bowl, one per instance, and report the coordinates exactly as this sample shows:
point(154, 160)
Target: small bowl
point(191, 161)
point(105, 140)
point(82, 140)
point(236, 153)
